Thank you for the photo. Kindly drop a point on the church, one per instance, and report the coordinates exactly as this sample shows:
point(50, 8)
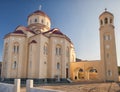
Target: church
point(38, 51)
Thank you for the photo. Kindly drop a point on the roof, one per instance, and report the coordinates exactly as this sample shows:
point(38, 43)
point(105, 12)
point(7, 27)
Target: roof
point(24, 28)
point(54, 31)
point(105, 13)
point(33, 41)
point(19, 32)
point(39, 12)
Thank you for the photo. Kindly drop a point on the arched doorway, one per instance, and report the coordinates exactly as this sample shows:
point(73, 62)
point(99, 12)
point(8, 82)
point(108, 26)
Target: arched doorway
point(78, 74)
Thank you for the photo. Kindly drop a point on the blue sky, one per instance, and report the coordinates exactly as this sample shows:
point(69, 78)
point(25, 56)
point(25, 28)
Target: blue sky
point(78, 19)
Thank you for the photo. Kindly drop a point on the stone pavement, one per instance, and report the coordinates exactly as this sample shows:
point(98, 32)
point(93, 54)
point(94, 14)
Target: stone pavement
point(93, 87)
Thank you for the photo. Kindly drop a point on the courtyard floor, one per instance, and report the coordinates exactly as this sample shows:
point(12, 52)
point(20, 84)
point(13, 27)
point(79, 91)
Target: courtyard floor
point(78, 87)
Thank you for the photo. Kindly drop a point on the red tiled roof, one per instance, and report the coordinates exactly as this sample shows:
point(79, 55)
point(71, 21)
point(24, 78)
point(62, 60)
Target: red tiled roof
point(26, 29)
point(19, 32)
point(33, 41)
point(54, 31)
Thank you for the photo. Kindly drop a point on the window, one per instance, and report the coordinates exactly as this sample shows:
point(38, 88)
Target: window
point(93, 70)
point(110, 20)
point(16, 48)
point(58, 50)
point(45, 49)
point(14, 65)
point(58, 65)
point(80, 70)
point(42, 21)
point(101, 22)
point(35, 20)
point(107, 37)
point(109, 73)
point(106, 20)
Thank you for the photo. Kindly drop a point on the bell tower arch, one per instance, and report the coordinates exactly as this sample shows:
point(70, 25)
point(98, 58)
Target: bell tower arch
point(108, 46)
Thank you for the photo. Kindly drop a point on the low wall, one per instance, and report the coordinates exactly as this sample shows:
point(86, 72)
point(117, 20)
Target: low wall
point(30, 88)
point(6, 87)
point(10, 87)
point(43, 90)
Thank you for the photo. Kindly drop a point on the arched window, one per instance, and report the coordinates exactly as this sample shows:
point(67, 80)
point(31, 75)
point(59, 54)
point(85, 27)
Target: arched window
point(110, 20)
point(93, 70)
point(16, 48)
point(80, 70)
point(58, 50)
point(109, 73)
point(107, 37)
point(14, 65)
point(45, 49)
point(42, 21)
point(101, 22)
point(58, 65)
point(106, 20)
point(35, 20)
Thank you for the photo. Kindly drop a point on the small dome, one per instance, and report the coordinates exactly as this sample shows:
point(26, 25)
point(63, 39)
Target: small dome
point(39, 12)
point(106, 13)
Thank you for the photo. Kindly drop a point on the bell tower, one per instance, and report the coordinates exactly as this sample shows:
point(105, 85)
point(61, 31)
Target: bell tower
point(108, 46)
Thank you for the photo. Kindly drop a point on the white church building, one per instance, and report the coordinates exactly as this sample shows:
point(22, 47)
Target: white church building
point(37, 51)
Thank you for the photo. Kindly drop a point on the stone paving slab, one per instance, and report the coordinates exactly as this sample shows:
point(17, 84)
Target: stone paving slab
point(94, 87)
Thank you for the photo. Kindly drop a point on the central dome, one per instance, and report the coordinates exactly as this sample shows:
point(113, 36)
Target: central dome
point(39, 12)
point(40, 19)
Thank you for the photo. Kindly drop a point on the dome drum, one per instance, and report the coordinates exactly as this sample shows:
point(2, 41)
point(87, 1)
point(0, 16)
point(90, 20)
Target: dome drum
point(39, 17)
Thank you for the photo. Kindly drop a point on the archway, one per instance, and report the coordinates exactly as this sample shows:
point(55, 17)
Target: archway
point(79, 74)
point(92, 74)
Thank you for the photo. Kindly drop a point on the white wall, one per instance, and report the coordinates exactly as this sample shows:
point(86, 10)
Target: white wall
point(6, 87)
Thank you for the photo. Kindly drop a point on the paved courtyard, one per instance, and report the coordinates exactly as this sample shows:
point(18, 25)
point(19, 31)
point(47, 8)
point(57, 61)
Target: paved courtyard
point(91, 87)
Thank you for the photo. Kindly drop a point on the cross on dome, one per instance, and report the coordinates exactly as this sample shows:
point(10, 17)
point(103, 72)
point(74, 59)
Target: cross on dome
point(105, 9)
point(40, 7)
